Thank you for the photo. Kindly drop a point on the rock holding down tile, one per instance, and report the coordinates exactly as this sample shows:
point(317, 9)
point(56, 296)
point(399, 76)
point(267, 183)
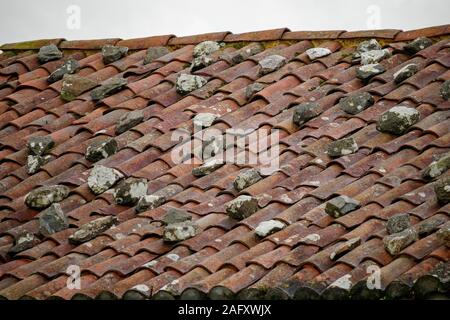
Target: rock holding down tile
point(49, 53)
point(208, 167)
point(444, 234)
point(69, 67)
point(204, 119)
point(180, 231)
point(200, 63)
point(398, 223)
point(366, 72)
point(437, 167)
point(368, 45)
point(40, 145)
point(102, 178)
point(242, 207)
point(253, 88)
point(341, 205)
point(445, 90)
point(129, 191)
point(154, 53)
point(108, 88)
point(305, 112)
point(271, 63)
point(52, 220)
point(417, 45)
point(374, 56)
point(149, 202)
point(266, 228)
point(345, 247)
point(357, 102)
point(101, 149)
point(206, 48)
point(316, 53)
point(73, 85)
point(442, 190)
point(175, 215)
point(187, 83)
point(246, 179)
point(43, 197)
point(396, 242)
point(24, 242)
point(398, 120)
point(129, 120)
point(113, 53)
point(405, 72)
point(92, 229)
point(34, 163)
point(342, 147)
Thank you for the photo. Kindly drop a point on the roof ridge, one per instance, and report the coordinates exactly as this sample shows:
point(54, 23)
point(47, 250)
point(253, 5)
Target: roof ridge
point(227, 36)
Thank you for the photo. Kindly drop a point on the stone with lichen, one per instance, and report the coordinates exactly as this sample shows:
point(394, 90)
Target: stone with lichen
point(445, 90)
point(405, 72)
point(149, 202)
point(186, 83)
point(305, 112)
point(417, 45)
point(366, 72)
point(92, 229)
point(366, 46)
point(154, 53)
point(374, 56)
point(266, 228)
point(102, 178)
point(207, 167)
point(342, 147)
point(341, 205)
point(442, 190)
point(357, 102)
point(113, 53)
point(52, 220)
point(396, 242)
point(43, 197)
point(398, 120)
point(206, 48)
point(129, 120)
point(108, 88)
point(437, 167)
point(129, 191)
point(271, 63)
point(34, 163)
point(175, 215)
point(444, 234)
point(49, 53)
point(101, 149)
point(246, 179)
point(398, 223)
point(242, 207)
point(69, 67)
point(201, 62)
point(180, 231)
point(253, 88)
point(24, 242)
point(204, 119)
point(316, 53)
point(40, 145)
point(73, 85)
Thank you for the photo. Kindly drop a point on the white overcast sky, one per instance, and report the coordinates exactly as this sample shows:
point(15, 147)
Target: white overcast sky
point(22, 20)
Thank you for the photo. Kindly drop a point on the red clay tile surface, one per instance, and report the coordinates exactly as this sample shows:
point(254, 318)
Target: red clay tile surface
point(226, 259)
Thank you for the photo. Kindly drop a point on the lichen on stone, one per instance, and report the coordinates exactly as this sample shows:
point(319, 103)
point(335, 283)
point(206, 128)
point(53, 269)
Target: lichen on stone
point(398, 120)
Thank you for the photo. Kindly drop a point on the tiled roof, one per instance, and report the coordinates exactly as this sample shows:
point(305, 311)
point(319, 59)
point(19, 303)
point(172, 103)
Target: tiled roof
point(226, 259)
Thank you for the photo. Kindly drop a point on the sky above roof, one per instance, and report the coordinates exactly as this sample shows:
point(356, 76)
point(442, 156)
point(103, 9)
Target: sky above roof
point(86, 19)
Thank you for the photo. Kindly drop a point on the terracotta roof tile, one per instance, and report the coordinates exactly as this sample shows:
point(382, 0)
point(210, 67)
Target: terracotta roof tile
point(226, 258)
